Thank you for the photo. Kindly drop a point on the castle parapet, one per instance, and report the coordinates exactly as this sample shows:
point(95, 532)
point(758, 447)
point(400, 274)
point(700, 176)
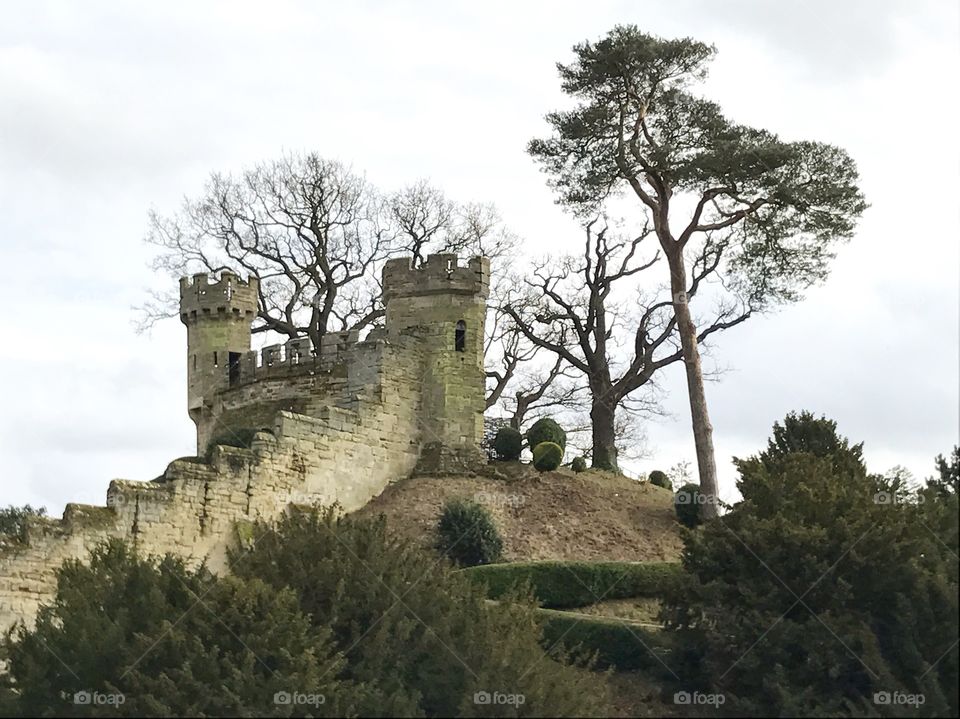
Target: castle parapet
point(297, 356)
point(441, 274)
point(228, 293)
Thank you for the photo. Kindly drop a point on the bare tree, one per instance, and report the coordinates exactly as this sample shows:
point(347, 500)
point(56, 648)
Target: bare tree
point(315, 234)
point(575, 309)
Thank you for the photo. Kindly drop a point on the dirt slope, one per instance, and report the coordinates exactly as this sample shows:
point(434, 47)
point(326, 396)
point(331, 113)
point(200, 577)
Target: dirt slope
point(553, 515)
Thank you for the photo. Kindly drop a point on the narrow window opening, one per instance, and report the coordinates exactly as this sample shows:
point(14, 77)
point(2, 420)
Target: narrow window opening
point(216, 361)
point(194, 361)
point(460, 337)
point(234, 367)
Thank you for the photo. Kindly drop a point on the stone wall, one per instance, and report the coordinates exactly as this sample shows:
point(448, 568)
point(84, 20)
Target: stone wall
point(344, 454)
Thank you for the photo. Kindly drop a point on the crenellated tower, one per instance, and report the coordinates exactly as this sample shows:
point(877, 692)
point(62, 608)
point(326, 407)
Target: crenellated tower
point(444, 303)
point(218, 314)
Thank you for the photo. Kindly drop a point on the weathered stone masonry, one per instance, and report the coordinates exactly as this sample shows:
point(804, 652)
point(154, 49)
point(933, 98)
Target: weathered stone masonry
point(342, 421)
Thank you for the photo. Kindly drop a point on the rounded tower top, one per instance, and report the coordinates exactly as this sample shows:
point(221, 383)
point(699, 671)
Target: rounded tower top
point(200, 297)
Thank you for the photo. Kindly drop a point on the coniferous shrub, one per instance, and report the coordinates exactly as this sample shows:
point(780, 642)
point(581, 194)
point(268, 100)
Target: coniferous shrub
point(420, 635)
point(686, 504)
point(660, 479)
point(508, 444)
point(547, 456)
point(153, 637)
point(578, 465)
point(467, 534)
point(876, 569)
point(546, 430)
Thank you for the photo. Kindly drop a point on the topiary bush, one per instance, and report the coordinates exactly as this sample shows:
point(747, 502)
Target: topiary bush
point(547, 456)
point(686, 503)
point(508, 444)
point(546, 430)
point(467, 534)
point(660, 479)
point(579, 465)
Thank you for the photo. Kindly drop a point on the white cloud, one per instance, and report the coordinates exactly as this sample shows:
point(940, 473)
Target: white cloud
point(109, 109)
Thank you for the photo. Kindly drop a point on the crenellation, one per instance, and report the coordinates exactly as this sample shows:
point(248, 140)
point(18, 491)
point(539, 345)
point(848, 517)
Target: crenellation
point(336, 422)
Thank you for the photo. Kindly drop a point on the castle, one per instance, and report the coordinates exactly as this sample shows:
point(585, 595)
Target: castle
point(334, 423)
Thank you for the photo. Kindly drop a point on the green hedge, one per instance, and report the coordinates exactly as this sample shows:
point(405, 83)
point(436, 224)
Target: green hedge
point(563, 585)
point(618, 644)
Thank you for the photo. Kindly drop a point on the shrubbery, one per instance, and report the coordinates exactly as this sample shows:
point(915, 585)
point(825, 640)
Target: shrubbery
point(564, 585)
point(613, 642)
point(173, 641)
point(547, 456)
point(851, 580)
point(13, 522)
point(687, 503)
point(316, 606)
point(546, 430)
point(416, 632)
point(467, 534)
point(660, 479)
point(508, 443)
point(579, 464)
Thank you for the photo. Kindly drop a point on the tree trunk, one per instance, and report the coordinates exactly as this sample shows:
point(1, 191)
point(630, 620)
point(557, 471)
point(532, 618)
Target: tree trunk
point(702, 429)
point(602, 415)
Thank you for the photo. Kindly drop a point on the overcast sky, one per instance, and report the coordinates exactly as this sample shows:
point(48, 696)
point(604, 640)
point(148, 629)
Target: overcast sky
point(110, 109)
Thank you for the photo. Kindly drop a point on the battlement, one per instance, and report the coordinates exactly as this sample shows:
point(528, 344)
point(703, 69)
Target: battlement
point(441, 274)
point(296, 356)
point(200, 297)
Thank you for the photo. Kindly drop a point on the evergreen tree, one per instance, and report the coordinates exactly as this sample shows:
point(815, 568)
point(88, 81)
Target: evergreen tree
point(129, 636)
point(824, 588)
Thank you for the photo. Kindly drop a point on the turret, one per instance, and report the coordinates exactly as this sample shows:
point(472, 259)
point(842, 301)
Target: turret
point(445, 303)
point(218, 315)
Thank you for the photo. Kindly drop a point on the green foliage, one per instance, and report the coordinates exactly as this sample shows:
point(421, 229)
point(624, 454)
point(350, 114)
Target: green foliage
point(172, 641)
point(491, 425)
point(615, 643)
point(686, 503)
point(660, 479)
point(14, 520)
point(547, 456)
point(805, 433)
point(546, 430)
point(564, 585)
point(467, 534)
point(824, 586)
point(578, 465)
point(419, 635)
point(508, 443)
point(636, 121)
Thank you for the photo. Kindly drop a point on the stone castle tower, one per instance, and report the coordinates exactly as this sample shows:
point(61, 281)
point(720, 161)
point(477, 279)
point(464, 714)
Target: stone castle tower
point(218, 318)
point(437, 310)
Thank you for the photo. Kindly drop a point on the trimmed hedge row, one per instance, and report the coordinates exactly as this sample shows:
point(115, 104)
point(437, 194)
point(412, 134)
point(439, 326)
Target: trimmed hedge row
point(564, 585)
point(616, 643)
